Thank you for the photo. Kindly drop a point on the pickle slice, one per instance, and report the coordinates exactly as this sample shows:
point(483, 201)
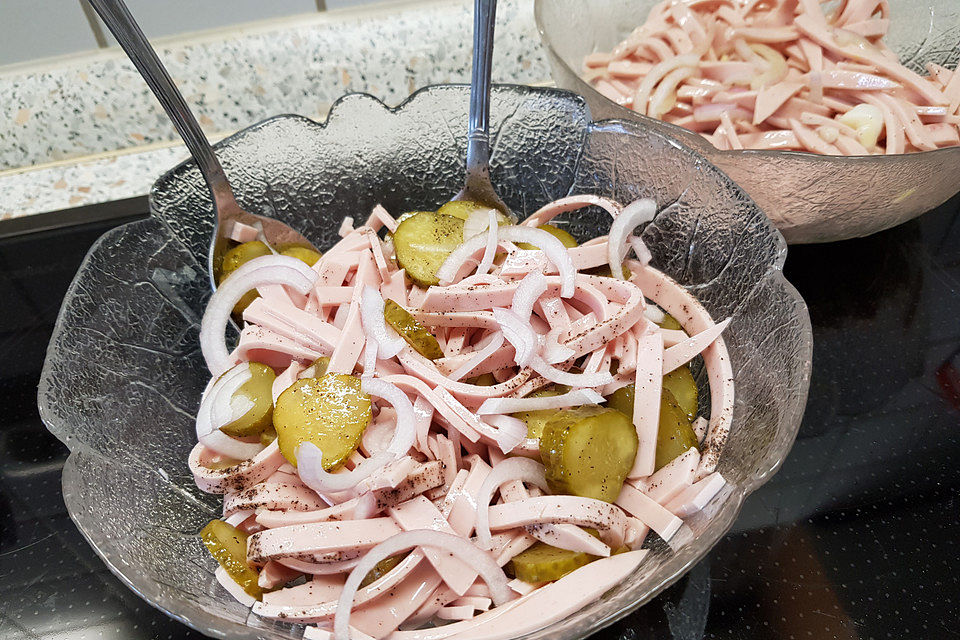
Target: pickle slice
point(544, 563)
point(675, 428)
point(482, 380)
point(681, 384)
point(622, 400)
point(258, 390)
point(242, 254)
point(415, 334)
point(228, 545)
point(588, 451)
point(604, 270)
point(568, 240)
point(301, 252)
point(675, 433)
point(669, 322)
point(381, 569)
point(537, 418)
point(329, 411)
point(237, 257)
point(223, 463)
point(463, 208)
point(423, 241)
point(317, 369)
point(268, 436)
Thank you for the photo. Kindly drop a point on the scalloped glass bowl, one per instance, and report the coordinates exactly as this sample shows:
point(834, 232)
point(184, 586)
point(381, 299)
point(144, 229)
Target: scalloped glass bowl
point(123, 373)
point(809, 197)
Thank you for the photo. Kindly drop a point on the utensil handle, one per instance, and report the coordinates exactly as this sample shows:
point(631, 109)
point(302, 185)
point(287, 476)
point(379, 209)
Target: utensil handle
point(125, 29)
point(478, 135)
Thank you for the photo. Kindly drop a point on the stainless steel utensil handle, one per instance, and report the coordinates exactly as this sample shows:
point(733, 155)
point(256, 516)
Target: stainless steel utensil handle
point(478, 136)
point(125, 29)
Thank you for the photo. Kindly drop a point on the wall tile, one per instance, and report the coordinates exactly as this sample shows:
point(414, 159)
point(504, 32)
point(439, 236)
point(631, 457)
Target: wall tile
point(31, 29)
point(172, 17)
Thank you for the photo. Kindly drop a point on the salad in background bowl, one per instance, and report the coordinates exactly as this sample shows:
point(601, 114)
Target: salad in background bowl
point(133, 316)
point(810, 196)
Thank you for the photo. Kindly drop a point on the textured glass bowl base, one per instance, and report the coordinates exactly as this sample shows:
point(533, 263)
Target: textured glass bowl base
point(124, 373)
point(809, 197)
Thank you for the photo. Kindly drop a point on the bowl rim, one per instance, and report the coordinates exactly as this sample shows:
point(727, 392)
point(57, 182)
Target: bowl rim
point(694, 139)
point(717, 530)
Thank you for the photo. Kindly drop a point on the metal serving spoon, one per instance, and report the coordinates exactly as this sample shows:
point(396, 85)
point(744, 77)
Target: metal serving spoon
point(125, 29)
point(477, 186)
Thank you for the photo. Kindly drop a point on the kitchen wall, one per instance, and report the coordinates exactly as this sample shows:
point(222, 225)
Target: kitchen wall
point(36, 29)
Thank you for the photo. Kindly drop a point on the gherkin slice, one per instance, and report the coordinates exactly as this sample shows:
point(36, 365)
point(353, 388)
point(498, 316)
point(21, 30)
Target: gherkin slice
point(381, 569)
point(537, 418)
point(669, 322)
point(681, 384)
point(588, 451)
point(258, 391)
point(234, 259)
point(482, 380)
point(604, 270)
point(463, 208)
point(228, 545)
point(544, 563)
point(268, 436)
point(424, 241)
point(330, 411)
point(568, 240)
point(622, 400)
point(306, 254)
point(675, 433)
point(415, 334)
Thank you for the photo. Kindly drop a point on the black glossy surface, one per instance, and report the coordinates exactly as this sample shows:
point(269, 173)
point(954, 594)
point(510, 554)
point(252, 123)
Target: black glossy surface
point(854, 538)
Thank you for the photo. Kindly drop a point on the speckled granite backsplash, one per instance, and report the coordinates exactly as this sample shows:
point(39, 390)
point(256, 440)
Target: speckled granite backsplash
point(98, 103)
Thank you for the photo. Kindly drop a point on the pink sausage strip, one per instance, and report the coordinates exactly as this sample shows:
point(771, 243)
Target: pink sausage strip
point(646, 407)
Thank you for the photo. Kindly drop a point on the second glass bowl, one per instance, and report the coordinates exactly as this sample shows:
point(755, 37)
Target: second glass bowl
point(809, 197)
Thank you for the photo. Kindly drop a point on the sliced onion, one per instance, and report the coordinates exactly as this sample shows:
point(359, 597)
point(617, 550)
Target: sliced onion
point(311, 471)
point(654, 314)
point(389, 343)
point(518, 333)
point(640, 249)
point(458, 257)
point(533, 285)
point(215, 411)
point(523, 469)
point(512, 405)
point(370, 349)
point(236, 519)
point(511, 432)
point(233, 587)
point(559, 376)
point(491, 249)
point(310, 457)
point(221, 398)
point(495, 342)
point(477, 222)
point(633, 215)
point(460, 548)
point(274, 269)
point(551, 247)
point(553, 351)
point(405, 434)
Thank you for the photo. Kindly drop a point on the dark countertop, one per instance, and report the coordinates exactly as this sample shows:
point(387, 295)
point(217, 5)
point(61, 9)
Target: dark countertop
point(853, 538)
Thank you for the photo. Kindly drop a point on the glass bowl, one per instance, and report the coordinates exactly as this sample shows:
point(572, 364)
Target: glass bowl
point(123, 373)
point(809, 197)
